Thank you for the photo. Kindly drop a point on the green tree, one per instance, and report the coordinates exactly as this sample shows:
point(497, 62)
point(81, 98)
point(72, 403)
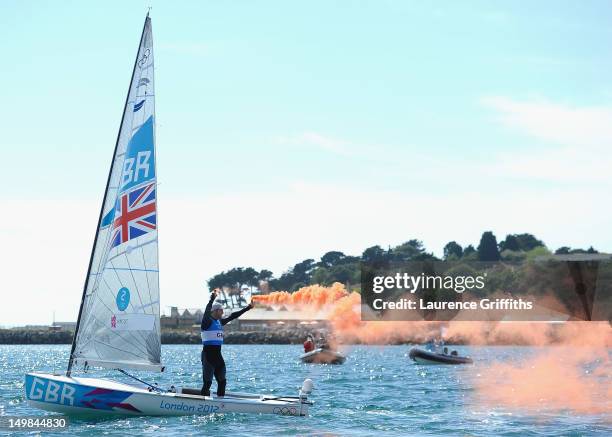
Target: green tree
point(566, 250)
point(265, 275)
point(302, 270)
point(487, 249)
point(453, 249)
point(469, 250)
point(513, 255)
point(217, 281)
point(332, 258)
point(375, 255)
point(239, 276)
point(538, 252)
point(298, 276)
point(510, 243)
point(409, 250)
point(320, 275)
point(343, 273)
point(528, 241)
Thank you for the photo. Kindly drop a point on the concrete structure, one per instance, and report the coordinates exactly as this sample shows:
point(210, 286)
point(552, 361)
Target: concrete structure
point(183, 318)
point(257, 319)
point(262, 319)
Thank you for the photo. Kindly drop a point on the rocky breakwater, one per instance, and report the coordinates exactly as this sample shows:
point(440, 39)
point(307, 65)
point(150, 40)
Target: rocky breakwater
point(168, 336)
point(35, 336)
point(277, 336)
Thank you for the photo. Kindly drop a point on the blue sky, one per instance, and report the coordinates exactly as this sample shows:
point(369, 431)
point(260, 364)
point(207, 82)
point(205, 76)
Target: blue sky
point(285, 130)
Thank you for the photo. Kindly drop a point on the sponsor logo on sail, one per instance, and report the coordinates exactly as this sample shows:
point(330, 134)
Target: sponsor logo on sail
point(133, 322)
point(123, 298)
point(145, 56)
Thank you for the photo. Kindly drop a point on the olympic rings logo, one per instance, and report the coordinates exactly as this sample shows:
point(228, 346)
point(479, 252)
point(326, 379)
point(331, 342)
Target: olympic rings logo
point(285, 411)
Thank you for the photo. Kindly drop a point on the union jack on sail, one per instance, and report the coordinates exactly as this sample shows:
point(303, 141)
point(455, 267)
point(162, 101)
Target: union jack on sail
point(135, 214)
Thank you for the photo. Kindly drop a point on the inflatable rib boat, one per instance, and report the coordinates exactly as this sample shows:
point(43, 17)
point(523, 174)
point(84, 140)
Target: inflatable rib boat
point(323, 356)
point(422, 356)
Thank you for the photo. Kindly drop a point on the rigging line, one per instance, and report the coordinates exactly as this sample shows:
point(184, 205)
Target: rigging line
point(116, 348)
point(141, 349)
point(134, 281)
point(138, 246)
point(115, 174)
point(123, 269)
point(103, 250)
point(144, 263)
point(94, 340)
point(121, 283)
point(105, 247)
point(110, 290)
point(153, 303)
point(140, 380)
point(86, 342)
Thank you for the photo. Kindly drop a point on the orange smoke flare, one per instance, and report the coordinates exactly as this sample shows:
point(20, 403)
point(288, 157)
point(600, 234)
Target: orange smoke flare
point(312, 297)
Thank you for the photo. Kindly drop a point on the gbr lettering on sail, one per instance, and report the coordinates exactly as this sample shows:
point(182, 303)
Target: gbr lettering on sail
point(136, 169)
point(139, 162)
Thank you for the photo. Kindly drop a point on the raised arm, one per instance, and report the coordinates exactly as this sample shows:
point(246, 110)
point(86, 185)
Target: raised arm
point(236, 314)
point(206, 319)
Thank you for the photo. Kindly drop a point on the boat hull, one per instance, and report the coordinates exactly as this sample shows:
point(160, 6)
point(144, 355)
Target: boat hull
point(94, 396)
point(323, 356)
point(421, 356)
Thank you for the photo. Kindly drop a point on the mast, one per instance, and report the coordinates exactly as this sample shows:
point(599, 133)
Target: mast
point(108, 180)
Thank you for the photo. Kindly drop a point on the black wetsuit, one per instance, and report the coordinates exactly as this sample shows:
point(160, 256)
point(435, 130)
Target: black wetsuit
point(212, 360)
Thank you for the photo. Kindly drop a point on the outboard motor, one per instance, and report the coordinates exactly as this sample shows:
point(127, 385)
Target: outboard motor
point(306, 389)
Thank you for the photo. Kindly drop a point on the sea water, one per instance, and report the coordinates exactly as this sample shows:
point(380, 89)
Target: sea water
point(378, 391)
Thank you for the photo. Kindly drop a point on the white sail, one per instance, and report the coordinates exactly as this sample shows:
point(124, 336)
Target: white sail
point(119, 320)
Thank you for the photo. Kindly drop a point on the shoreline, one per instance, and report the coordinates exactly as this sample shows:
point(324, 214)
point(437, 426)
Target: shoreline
point(183, 336)
point(17, 336)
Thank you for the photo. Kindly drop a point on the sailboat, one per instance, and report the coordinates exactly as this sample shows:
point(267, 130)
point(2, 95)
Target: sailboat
point(118, 326)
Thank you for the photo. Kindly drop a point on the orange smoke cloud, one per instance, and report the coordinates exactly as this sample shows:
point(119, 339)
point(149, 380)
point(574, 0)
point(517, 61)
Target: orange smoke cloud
point(558, 378)
point(344, 313)
point(313, 297)
point(575, 375)
point(343, 310)
point(345, 319)
point(572, 369)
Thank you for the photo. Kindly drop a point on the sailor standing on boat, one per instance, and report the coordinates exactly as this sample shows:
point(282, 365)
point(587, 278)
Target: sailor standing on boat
point(212, 340)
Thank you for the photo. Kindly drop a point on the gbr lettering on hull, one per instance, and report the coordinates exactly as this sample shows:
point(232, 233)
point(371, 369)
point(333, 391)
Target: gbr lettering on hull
point(51, 391)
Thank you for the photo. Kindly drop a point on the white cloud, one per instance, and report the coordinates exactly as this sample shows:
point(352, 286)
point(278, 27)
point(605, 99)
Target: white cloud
point(558, 123)
point(579, 140)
